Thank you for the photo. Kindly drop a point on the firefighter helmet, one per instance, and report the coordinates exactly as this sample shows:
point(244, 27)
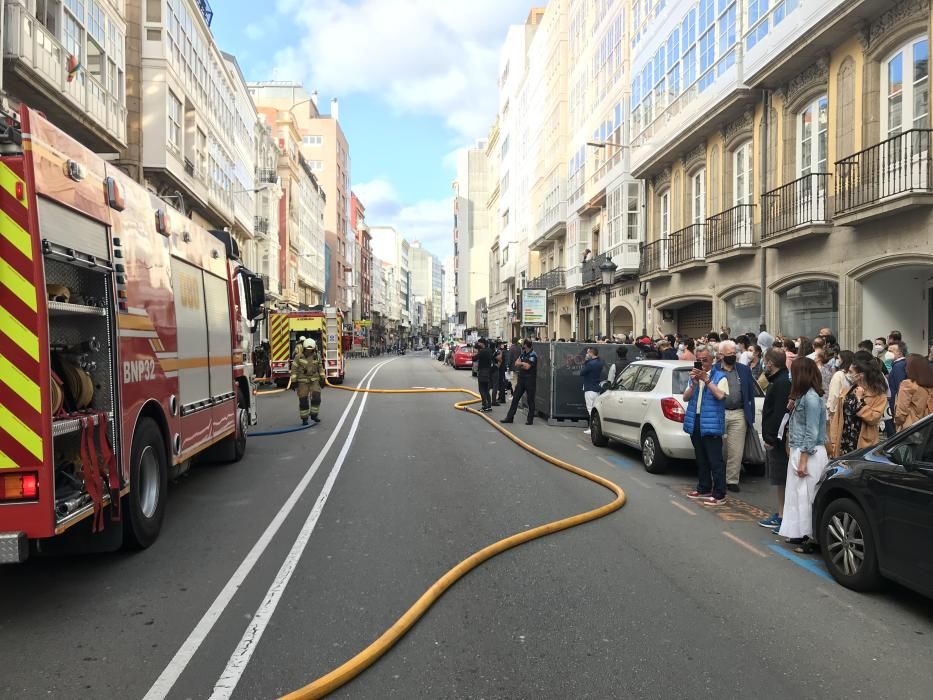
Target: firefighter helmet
point(310, 344)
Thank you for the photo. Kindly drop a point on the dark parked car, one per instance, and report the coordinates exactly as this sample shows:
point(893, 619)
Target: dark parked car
point(873, 513)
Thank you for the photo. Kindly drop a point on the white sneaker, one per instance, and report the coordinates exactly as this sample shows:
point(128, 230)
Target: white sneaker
point(586, 432)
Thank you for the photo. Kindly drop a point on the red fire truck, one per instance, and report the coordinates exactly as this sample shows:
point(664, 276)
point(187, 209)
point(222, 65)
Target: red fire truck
point(324, 324)
point(125, 347)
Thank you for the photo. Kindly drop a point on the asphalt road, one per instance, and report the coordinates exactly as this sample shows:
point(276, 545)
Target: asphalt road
point(662, 599)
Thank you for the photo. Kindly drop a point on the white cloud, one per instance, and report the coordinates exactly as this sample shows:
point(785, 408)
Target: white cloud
point(421, 56)
point(429, 221)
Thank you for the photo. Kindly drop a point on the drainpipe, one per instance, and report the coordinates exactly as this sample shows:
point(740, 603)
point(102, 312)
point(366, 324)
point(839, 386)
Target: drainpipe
point(763, 257)
point(643, 285)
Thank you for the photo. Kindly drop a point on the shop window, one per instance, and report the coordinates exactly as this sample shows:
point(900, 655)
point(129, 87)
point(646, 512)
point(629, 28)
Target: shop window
point(807, 307)
point(743, 311)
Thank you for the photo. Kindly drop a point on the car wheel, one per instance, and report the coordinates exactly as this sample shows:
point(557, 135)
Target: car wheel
point(652, 456)
point(596, 431)
point(848, 546)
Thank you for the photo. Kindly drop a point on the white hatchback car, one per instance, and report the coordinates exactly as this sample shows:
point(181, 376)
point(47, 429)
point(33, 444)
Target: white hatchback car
point(644, 408)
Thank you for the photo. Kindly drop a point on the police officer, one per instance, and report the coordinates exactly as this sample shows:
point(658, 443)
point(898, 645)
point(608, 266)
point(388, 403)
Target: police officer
point(308, 375)
point(527, 367)
point(495, 373)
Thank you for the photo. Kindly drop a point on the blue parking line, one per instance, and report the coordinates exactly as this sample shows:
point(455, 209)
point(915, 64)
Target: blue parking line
point(624, 463)
point(807, 564)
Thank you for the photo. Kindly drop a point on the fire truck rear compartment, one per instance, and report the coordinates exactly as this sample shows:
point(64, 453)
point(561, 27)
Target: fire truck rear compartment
point(82, 335)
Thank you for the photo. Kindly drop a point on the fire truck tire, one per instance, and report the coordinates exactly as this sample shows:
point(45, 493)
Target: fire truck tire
point(338, 380)
point(281, 383)
point(242, 426)
point(145, 503)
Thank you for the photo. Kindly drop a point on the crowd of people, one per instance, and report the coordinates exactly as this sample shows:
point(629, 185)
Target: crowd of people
point(821, 402)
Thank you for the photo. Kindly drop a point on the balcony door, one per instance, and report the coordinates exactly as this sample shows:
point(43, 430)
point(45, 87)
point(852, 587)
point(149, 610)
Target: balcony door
point(698, 211)
point(665, 226)
point(905, 95)
point(744, 179)
point(809, 200)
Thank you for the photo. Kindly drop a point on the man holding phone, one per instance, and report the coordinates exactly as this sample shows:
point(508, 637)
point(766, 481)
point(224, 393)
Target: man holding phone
point(705, 423)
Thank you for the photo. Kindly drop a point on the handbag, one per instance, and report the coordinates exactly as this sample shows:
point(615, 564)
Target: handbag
point(754, 451)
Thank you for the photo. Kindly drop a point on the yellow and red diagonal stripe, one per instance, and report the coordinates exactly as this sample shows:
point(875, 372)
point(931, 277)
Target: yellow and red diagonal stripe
point(278, 337)
point(20, 393)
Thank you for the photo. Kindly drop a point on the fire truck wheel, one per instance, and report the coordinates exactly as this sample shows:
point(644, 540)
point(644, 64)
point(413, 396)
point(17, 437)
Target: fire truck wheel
point(242, 427)
point(145, 503)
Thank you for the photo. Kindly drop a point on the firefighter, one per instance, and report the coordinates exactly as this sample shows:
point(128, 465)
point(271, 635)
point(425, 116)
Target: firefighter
point(308, 376)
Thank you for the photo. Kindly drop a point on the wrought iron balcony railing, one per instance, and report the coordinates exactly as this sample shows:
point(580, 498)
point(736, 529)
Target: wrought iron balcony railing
point(687, 245)
point(899, 165)
point(590, 269)
point(653, 257)
point(266, 175)
point(798, 203)
point(261, 224)
point(730, 230)
point(553, 279)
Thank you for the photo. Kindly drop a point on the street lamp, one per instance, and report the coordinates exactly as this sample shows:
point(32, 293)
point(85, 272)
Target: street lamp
point(608, 270)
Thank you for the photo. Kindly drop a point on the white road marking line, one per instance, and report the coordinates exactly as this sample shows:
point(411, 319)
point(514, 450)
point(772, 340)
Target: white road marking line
point(585, 449)
point(743, 543)
point(606, 462)
point(170, 675)
point(241, 656)
point(682, 507)
point(638, 481)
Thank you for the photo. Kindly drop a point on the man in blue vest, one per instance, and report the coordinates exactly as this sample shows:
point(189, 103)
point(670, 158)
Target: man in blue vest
point(740, 411)
point(705, 423)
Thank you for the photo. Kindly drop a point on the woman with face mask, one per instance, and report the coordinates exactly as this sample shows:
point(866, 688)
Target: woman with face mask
point(839, 382)
point(859, 408)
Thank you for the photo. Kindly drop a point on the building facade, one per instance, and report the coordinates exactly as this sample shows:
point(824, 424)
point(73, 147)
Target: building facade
point(787, 173)
point(41, 38)
point(324, 146)
point(471, 232)
point(189, 126)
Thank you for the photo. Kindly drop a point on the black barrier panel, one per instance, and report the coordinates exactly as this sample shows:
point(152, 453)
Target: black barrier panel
point(559, 386)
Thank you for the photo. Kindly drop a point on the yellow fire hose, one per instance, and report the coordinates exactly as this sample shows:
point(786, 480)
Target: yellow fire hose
point(350, 669)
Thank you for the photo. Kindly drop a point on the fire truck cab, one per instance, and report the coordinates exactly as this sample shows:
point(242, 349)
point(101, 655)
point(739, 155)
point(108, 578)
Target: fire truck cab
point(126, 337)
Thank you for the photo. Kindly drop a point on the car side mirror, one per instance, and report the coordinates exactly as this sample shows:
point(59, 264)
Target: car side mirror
point(902, 455)
point(604, 386)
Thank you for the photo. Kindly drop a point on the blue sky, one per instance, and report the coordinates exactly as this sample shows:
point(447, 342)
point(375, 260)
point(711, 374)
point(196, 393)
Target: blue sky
point(416, 81)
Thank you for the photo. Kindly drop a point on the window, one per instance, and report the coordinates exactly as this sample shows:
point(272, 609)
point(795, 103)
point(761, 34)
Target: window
point(757, 11)
point(906, 89)
point(707, 58)
point(316, 165)
point(312, 140)
point(743, 174)
point(631, 212)
point(813, 137)
point(647, 379)
point(727, 38)
point(96, 21)
point(743, 310)
point(77, 9)
point(698, 187)
point(626, 380)
point(706, 14)
point(665, 214)
point(809, 306)
point(174, 121)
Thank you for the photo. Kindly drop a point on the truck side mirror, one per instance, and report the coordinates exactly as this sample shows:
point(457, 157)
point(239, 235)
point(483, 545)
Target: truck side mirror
point(257, 298)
